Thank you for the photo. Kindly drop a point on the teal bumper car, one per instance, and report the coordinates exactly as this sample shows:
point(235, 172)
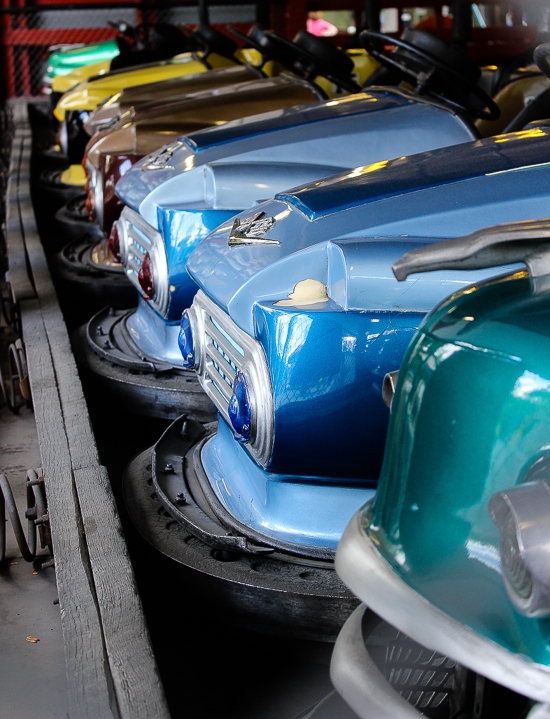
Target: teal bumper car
point(454, 551)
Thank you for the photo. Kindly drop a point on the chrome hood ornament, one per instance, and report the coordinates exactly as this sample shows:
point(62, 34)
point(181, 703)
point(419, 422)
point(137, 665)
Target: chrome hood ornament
point(160, 159)
point(252, 231)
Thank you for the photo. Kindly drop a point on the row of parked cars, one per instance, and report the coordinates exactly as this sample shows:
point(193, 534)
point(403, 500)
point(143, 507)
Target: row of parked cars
point(340, 262)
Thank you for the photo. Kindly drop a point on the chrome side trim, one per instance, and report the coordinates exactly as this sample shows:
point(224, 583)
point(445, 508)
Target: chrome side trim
point(221, 349)
point(359, 681)
point(136, 238)
point(371, 578)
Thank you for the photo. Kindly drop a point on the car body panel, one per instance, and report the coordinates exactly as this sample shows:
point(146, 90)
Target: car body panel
point(148, 128)
point(335, 132)
point(64, 83)
point(275, 507)
point(158, 91)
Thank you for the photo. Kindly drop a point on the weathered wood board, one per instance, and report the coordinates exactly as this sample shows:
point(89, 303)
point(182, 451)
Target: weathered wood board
point(110, 665)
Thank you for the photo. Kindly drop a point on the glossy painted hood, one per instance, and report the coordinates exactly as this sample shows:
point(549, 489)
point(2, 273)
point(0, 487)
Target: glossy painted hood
point(110, 111)
point(331, 135)
point(91, 91)
point(441, 193)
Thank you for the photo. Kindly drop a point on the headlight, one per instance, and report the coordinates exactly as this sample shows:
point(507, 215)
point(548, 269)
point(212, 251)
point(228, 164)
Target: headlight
point(185, 341)
point(233, 370)
point(239, 409)
point(522, 515)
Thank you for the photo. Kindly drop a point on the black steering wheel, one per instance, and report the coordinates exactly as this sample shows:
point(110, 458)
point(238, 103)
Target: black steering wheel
point(306, 54)
point(314, 56)
point(212, 40)
point(435, 68)
point(269, 45)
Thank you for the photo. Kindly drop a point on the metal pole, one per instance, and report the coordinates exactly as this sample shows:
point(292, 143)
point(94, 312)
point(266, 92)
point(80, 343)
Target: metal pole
point(204, 18)
point(372, 15)
point(462, 22)
point(263, 13)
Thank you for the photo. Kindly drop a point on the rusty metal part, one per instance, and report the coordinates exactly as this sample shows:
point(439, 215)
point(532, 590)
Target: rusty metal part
point(10, 310)
point(36, 515)
point(16, 390)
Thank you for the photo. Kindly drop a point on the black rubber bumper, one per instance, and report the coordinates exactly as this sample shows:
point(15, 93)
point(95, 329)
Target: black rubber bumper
point(104, 348)
point(72, 221)
point(52, 191)
point(250, 582)
point(78, 267)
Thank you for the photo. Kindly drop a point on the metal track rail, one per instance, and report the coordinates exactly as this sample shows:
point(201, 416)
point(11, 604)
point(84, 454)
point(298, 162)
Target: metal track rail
point(111, 670)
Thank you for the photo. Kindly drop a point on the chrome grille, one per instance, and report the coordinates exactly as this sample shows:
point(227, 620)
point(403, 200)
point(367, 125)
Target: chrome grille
point(137, 238)
point(221, 350)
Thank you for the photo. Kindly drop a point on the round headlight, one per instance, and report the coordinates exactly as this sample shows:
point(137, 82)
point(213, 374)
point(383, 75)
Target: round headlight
point(239, 409)
point(185, 341)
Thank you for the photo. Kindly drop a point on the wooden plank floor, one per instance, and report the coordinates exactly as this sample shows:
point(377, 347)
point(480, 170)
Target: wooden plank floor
point(111, 670)
point(30, 671)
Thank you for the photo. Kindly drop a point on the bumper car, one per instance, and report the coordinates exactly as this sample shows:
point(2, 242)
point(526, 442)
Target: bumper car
point(105, 155)
point(294, 327)
point(220, 170)
point(154, 125)
point(453, 551)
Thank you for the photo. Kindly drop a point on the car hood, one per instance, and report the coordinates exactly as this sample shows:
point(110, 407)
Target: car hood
point(331, 134)
point(436, 194)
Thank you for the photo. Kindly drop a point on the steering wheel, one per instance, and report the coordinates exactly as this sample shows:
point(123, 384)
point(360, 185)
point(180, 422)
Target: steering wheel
point(315, 56)
point(326, 60)
point(212, 40)
point(270, 45)
point(434, 67)
point(540, 56)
